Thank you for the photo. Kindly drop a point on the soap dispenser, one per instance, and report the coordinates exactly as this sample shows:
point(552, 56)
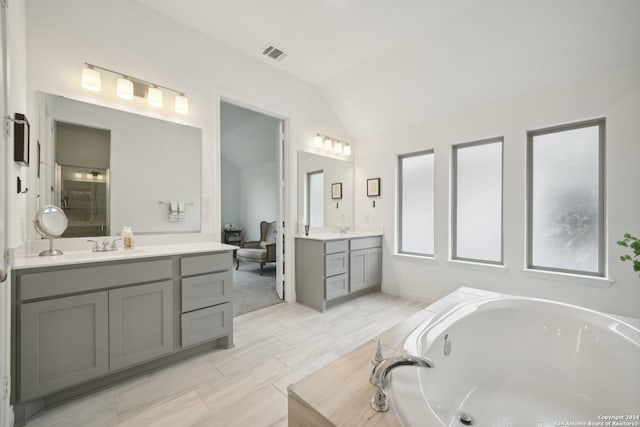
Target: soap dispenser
point(127, 237)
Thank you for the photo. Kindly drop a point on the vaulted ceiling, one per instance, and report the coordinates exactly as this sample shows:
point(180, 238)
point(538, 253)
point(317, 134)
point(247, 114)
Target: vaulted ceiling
point(384, 63)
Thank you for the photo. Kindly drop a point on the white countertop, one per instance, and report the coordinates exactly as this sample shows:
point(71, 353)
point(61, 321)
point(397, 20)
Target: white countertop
point(338, 236)
point(86, 256)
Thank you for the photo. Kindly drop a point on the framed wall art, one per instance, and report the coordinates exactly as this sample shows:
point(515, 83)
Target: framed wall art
point(373, 187)
point(336, 190)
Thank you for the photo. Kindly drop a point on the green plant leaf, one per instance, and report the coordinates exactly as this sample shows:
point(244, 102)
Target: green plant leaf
point(623, 243)
point(627, 235)
point(627, 258)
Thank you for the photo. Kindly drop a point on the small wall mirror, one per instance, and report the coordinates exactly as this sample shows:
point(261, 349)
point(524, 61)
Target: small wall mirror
point(316, 207)
point(51, 222)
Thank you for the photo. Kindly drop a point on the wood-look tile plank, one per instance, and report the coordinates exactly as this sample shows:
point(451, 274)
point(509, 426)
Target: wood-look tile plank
point(228, 390)
point(262, 407)
point(165, 384)
point(181, 411)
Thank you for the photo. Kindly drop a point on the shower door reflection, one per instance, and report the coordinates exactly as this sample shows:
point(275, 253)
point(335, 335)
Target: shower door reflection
point(84, 198)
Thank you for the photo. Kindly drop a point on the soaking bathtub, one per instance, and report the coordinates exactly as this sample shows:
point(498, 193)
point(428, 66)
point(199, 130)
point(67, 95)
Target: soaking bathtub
point(513, 361)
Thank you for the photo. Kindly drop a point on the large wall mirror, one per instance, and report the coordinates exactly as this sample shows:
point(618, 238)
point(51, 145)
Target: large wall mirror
point(320, 204)
point(109, 168)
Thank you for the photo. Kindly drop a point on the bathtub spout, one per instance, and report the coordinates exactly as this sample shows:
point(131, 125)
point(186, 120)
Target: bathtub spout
point(380, 376)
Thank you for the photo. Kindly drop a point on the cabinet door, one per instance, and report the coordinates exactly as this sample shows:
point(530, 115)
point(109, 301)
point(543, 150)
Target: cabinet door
point(357, 270)
point(365, 268)
point(140, 323)
point(374, 267)
point(64, 341)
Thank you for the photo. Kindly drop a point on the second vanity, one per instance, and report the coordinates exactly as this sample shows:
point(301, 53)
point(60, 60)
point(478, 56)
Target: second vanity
point(331, 268)
point(83, 320)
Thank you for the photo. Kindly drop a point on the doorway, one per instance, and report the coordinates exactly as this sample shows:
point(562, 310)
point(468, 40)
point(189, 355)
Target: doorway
point(251, 203)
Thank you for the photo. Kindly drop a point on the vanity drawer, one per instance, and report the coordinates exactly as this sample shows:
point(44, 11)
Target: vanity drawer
point(206, 324)
point(206, 290)
point(336, 286)
point(365, 243)
point(335, 264)
point(335, 246)
point(209, 263)
point(85, 279)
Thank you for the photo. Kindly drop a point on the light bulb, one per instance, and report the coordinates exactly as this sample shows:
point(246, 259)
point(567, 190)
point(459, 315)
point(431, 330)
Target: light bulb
point(181, 104)
point(328, 144)
point(346, 150)
point(317, 141)
point(124, 88)
point(91, 79)
point(337, 147)
point(154, 97)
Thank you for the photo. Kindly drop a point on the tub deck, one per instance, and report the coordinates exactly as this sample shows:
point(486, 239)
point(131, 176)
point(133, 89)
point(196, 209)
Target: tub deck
point(339, 393)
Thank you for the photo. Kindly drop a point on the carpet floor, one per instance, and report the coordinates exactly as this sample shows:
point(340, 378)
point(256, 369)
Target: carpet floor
point(252, 291)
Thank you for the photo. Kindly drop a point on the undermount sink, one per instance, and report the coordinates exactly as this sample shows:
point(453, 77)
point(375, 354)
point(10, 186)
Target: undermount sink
point(114, 254)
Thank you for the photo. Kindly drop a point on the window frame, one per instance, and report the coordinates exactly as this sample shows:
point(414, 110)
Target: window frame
point(454, 199)
point(399, 181)
point(602, 249)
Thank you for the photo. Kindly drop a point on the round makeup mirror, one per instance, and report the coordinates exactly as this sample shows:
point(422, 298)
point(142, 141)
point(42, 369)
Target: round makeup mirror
point(51, 222)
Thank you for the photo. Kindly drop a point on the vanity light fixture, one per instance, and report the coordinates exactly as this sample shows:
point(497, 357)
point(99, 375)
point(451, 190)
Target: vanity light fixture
point(127, 87)
point(317, 141)
point(181, 104)
point(91, 78)
point(154, 97)
point(337, 147)
point(330, 144)
point(124, 88)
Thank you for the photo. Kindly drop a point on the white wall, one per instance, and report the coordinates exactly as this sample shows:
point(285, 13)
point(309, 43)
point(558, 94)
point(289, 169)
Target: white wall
point(258, 198)
point(614, 95)
point(131, 38)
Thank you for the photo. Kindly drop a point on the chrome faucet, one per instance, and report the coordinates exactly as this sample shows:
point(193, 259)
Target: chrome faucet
point(380, 377)
point(106, 246)
point(343, 230)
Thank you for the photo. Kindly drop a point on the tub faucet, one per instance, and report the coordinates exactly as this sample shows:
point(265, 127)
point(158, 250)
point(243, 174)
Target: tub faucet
point(380, 377)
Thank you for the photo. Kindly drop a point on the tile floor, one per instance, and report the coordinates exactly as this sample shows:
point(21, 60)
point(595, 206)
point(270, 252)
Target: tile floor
point(244, 386)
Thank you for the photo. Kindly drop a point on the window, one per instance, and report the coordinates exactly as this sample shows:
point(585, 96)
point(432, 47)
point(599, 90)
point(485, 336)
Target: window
point(415, 203)
point(477, 201)
point(566, 198)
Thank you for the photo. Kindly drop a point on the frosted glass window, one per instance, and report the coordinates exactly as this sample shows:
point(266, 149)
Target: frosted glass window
point(566, 195)
point(315, 196)
point(477, 201)
point(416, 187)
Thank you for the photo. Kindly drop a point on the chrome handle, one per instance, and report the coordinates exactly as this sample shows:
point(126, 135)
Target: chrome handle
point(114, 246)
point(95, 245)
point(3, 275)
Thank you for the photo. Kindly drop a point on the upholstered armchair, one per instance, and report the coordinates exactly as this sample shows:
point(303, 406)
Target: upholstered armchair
point(262, 251)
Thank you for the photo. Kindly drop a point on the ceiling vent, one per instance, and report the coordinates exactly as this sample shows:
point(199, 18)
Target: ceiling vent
point(274, 53)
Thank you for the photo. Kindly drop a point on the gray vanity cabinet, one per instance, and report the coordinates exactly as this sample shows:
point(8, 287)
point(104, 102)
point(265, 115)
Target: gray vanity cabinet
point(330, 271)
point(140, 323)
point(81, 326)
point(64, 341)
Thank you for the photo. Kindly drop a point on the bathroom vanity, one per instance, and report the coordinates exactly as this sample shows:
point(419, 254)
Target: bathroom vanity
point(331, 268)
point(82, 320)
